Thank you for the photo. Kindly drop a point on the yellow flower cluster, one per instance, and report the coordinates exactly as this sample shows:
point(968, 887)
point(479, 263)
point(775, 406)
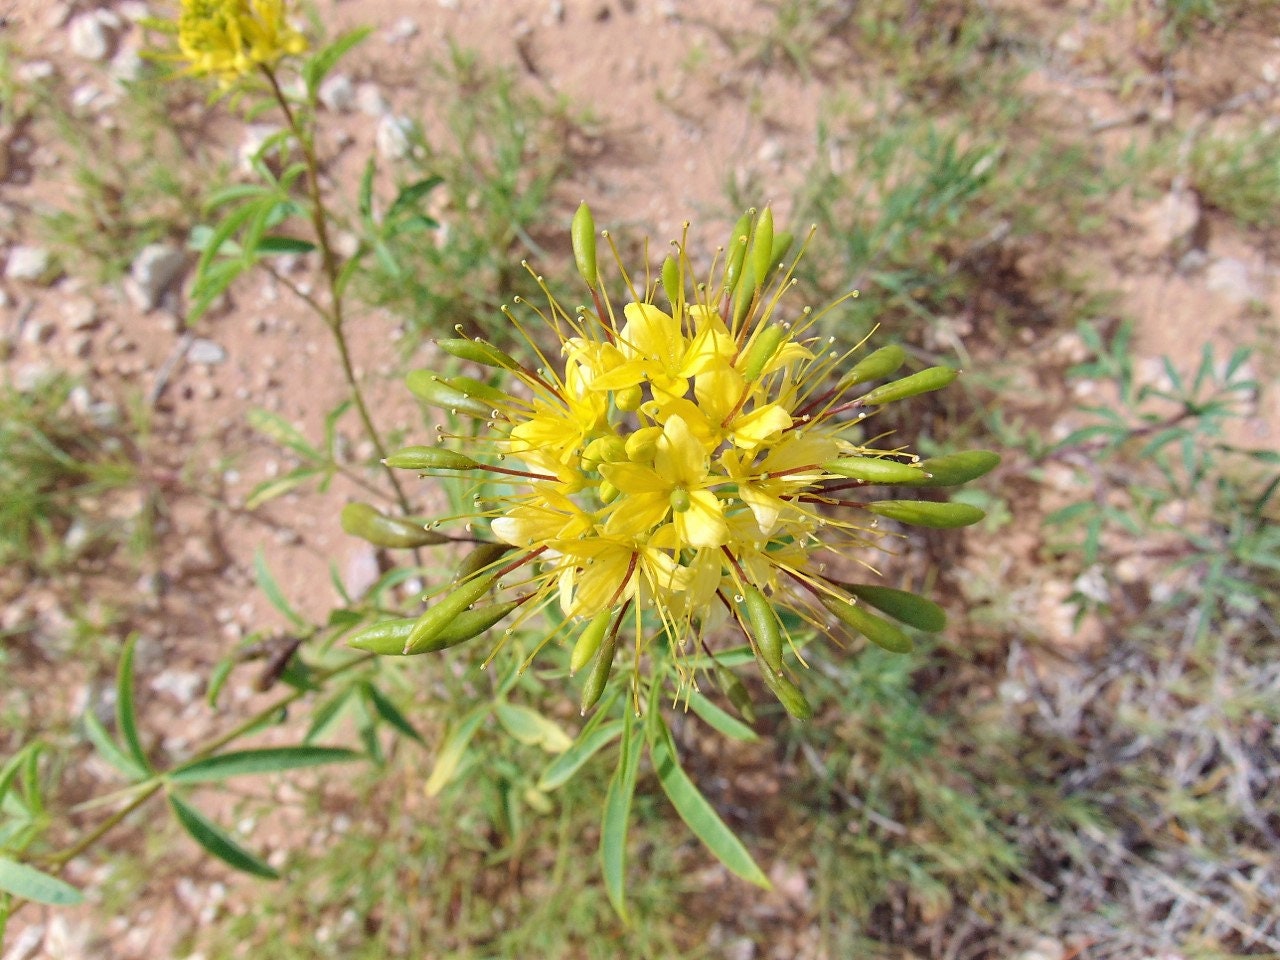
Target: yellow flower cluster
point(229, 39)
point(691, 459)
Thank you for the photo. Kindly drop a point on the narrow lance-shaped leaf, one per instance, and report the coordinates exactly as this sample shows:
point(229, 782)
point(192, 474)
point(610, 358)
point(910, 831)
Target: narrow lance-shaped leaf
point(454, 749)
point(617, 816)
point(27, 882)
point(697, 812)
point(126, 710)
point(217, 841)
point(267, 584)
point(562, 769)
point(264, 760)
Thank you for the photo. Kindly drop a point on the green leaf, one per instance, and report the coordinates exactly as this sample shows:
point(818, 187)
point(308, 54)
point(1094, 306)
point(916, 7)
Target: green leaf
point(409, 196)
point(29, 883)
point(453, 750)
point(389, 712)
point(720, 720)
point(317, 68)
point(324, 715)
point(617, 816)
point(562, 769)
point(126, 713)
point(279, 486)
point(217, 841)
point(267, 583)
point(697, 812)
point(271, 245)
point(283, 432)
point(264, 760)
point(109, 750)
point(532, 728)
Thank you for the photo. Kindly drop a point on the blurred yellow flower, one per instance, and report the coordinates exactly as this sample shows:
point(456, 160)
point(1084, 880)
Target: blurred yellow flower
point(229, 39)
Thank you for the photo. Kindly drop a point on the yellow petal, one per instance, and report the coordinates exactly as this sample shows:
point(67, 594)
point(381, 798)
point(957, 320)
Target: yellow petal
point(703, 524)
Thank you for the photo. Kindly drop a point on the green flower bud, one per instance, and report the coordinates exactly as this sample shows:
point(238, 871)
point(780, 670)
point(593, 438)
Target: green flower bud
point(429, 458)
point(629, 398)
point(610, 449)
point(927, 513)
point(781, 244)
point(934, 378)
point(363, 521)
point(876, 629)
point(583, 233)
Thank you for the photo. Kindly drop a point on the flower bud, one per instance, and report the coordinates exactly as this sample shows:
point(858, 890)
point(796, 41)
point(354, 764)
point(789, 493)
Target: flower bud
point(737, 252)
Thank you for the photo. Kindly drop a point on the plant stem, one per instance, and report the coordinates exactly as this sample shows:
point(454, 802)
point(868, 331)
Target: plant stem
point(334, 315)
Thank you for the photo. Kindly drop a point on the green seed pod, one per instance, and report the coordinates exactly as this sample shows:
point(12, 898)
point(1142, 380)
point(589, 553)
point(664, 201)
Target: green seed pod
point(671, 281)
point(738, 694)
point(934, 378)
point(481, 557)
point(480, 390)
point(873, 469)
point(781, 244)
point(601, 667)
point(589, 640)
point(438, 392)
point(764, 626)
point(363, 521)
point(761, 351)
point(745, 296)
point(388, 638)
point(788, 694)
point(737, 252)
point(953, 469)
point(429, 458)
point(927, 513)
point(876, 629)
point(679, 500)
point(437, 618)
point(879, 363)
point(910, 608)
point(583, 233)
point(762, 261)
point(477, 351)
point(629, 398)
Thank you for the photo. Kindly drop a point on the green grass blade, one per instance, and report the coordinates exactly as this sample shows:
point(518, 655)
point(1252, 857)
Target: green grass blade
point(698, 814)
point(126, 712)
point(720, 720)
point(389, 712)
point(32, 884)
point(267, 583)
point(110, 751)
point(265, 760)
point(217, 841)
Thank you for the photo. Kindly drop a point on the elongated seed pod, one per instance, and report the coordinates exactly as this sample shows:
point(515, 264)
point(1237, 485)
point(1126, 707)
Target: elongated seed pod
point(781, 244)
point(762, 261)
point(738, 694)
point(480, 557)
point(437, 617)
point(438, 392)
point(789, 695)
point(876, 629)
point(598, 678)
point(910, 608)
point(583, 234)
point(737, 252)
point(953, 469)
point(934, 378)
point(390, 636)
point(491, 396)
point(589, 640)
point(926, 513)
point(762, 349)
point(671, 282)
point(879, 363)
point(429, 458)
point(873, 469)
point(364, 521)
point(765, 627)
point(477, 351)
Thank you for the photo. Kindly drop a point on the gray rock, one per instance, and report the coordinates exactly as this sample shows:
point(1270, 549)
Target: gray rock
point(89, 37)
point(402, 30)
point(370, 101)
point(206, 353)
point(1233, 279)
point(1171, 223)
point(30, 264)
point(80, 314)
point(153, 272)
point(338, 93)
point(392, 137)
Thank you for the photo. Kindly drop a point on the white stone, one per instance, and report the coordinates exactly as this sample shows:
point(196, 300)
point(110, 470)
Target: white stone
point(1170, 222)
point(338, 93)
point(25, 944)
point(392, 137)
point(126, 66)
point(89, 37)
point(370, 101)
point(79, 314)
point(362, 570)
point(154, 270)
point(403, 29)
point(1233, 279)
point(205, 353)
point(32, 264)
point(35, 70)
point(256, 135)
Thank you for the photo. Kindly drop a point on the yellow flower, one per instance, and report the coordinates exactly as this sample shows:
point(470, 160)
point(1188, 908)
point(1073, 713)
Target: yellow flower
point(698, 462)
point(229, 39)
